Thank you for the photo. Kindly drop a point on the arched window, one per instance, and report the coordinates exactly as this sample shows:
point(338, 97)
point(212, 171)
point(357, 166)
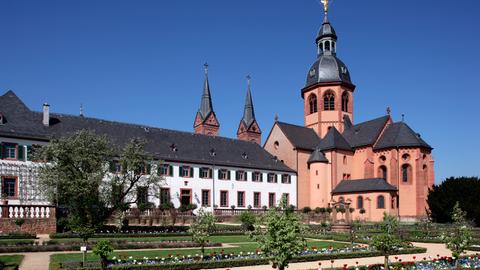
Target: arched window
point(329, 101)
point(341, 199)
point(327, 46)
point(406, 173)
point(380, 202)
point(312, 103)
point(345, 101)
point(344, 160)
point(359, 202)
point(382, 172)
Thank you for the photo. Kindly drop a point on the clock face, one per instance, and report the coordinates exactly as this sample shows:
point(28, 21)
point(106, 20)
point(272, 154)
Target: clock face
point(312, 72)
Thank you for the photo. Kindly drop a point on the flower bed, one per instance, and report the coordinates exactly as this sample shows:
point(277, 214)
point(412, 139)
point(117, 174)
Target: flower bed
point(220, 260)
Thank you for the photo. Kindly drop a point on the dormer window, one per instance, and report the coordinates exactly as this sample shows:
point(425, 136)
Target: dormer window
point(244, 155)
point(2, 119)
point(173, 147)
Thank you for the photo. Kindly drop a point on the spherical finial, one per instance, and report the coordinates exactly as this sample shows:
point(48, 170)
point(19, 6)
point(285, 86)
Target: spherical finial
point(276, 117)
point(249, 78)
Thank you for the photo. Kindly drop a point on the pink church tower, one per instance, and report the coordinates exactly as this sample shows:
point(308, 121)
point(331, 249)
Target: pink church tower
point(328, 93)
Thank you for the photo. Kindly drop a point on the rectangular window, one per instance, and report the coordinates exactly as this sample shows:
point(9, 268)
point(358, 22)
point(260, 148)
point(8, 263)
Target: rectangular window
point(205, 173)
point(223, 174)
point(272, 178)
point(271, 200)
point(240, 199)
point(241, 175)
point(257, 177)
point(223, 198)
point(10, 151)
point(9, 186)
point(142, 195)
point(205, 197)
point(164, 195)
point(186, 171)
point(257, 202)
point(286, 179)
point(165, 170)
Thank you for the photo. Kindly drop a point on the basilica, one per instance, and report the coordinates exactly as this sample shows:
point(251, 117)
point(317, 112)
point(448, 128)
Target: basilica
point(375, 167)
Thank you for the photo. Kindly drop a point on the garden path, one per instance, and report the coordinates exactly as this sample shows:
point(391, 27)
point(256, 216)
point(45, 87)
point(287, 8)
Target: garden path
point(432, 251)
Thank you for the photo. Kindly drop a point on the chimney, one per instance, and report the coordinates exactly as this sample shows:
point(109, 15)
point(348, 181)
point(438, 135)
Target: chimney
point(46, 114)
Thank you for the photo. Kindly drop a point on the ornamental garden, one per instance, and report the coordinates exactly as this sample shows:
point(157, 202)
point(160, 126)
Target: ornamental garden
point(94, 232)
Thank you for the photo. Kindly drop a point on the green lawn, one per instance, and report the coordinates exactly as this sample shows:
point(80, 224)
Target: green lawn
point(215, 239)
point(242, 244)
point(11, 261)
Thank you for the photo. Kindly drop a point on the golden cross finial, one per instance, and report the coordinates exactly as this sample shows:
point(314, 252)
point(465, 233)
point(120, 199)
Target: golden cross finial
point(325, 5)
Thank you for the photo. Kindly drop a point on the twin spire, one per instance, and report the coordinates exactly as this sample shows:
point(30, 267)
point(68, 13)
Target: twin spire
point(207, 123)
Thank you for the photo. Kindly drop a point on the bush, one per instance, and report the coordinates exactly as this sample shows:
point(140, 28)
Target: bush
point(248, 219)
point(18, 235)
point(306, 210)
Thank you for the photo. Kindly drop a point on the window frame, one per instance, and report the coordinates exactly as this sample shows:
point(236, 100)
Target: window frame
point(161, 196)
point(6, 146)
point(380, 203)
point(226, 176)
point(329, 101)
point(275, 178)
point(259, 205)
point(312, 103)
point(345, 101)
point(271, 203)
point(241, 173)
point(208, 198)
point(226, 198)
point(138, 190)
point(360, 202)
point(15, 189)
point(406, 173)
point(188, 170)
point(260, 176)
point(289, 178)
point(202, 170)
point(238, 198)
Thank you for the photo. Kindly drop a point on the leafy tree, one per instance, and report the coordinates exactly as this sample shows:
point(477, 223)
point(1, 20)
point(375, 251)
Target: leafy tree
point(248, 219)
point(442, 198)
point(77, 178)
point(202, 227)
point(280, 235)
point(103, 249)
point(73, 177)
point(459, 237)
point(387, 242)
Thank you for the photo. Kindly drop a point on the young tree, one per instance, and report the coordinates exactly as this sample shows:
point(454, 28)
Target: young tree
point(281, 238)
point(248, 220)
point(103, 249)
point(202, 227)
point(458, 238)
point(387, 242)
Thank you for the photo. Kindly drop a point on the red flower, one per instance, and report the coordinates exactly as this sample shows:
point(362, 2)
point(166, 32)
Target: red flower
point(414, 257)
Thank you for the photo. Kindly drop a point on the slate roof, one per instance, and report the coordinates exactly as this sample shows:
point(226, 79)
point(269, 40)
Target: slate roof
point(333, 140)
point(248, 112)
point(191, 148)
point(326, 30)
point(206, 106)
point(400, 135)
point(363, 185)
point(317, 156)
point(366, 133)
point(301, 137)
point(326, 69)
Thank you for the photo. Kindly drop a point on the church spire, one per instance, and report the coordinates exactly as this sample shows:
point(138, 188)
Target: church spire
point(206, 106)
point(327, 38)
point(248, 112)
point(206, 121)
point(248, 130)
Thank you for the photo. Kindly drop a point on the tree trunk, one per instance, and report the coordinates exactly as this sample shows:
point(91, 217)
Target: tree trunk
point(386, 263)
point(281, 266)
point(203, 251)
point(104, 261)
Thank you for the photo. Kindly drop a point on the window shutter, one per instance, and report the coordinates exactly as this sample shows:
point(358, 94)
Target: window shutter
point(210, 173)
point(20, 152)
point(237, 175)
point(1, 150)
point(29, 152)
point(191, 171)
point(170, 170)
point(261, 177)
point(228, 175)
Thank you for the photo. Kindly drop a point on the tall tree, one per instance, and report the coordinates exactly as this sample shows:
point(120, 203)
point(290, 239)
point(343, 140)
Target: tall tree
point(443, 197)
point(76, 177)
point(279, 235)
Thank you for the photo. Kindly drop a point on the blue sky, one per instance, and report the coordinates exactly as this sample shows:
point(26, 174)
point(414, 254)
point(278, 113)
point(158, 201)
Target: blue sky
point(142, 62)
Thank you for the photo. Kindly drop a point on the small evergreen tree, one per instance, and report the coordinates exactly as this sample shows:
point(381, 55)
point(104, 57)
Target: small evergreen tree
point(281, 237)
point(103, 249)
